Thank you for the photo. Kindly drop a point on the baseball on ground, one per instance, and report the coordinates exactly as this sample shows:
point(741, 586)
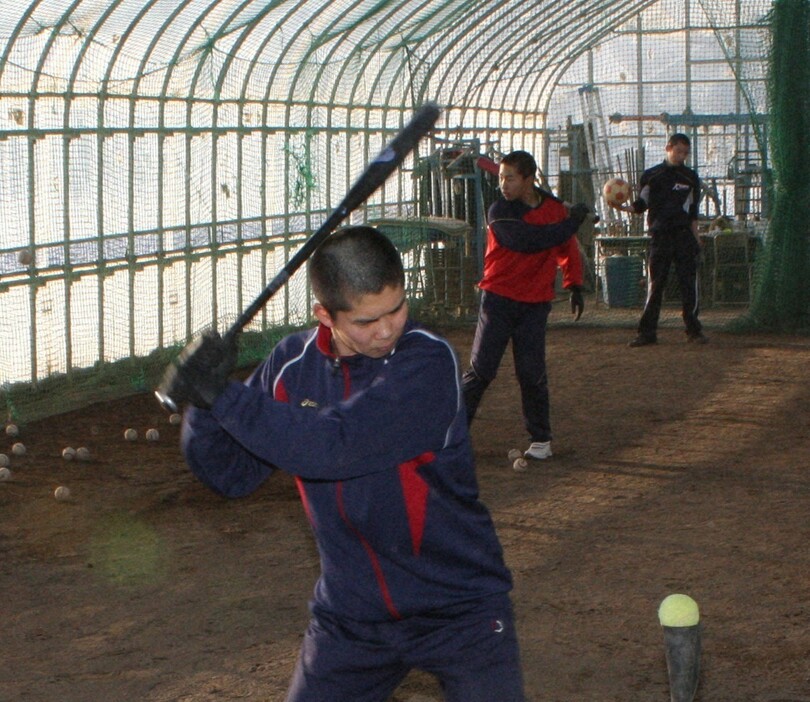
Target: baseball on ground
point(130, 434)
point(5, 474)
point(62, 493)
point(520, 465)
point(83, 453)
point(12, 430)
point(514, 454)
point(175, 418)
point(4, 460)
point(68, 453)
point(152, 434)
point(18, 449)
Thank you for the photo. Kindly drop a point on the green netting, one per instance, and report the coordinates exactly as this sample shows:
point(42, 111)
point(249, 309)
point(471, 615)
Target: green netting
point(440, 270)
point(783, 296)
point(160, 162)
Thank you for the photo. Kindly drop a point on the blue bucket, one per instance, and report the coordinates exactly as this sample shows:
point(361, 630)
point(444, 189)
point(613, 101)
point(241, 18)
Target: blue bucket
point(622, 276)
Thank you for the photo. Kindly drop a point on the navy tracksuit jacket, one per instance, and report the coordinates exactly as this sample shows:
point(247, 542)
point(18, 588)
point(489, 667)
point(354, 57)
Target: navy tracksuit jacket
point(382, 457)
point(670, 195)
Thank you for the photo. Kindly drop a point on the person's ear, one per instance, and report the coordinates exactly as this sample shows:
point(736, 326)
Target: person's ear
point(322, 315)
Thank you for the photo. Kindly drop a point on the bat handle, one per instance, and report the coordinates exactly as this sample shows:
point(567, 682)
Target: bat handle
point(166, 402)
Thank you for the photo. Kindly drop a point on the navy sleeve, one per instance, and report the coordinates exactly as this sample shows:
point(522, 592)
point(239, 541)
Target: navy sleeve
point(216, 458)
point(406, 411)
point(512, 232)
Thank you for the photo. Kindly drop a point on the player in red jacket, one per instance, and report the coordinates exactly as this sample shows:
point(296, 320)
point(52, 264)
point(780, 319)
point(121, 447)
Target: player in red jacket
point(530, 235)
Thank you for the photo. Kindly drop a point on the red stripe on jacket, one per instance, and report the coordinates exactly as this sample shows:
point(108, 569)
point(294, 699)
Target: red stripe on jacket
point(415, 491)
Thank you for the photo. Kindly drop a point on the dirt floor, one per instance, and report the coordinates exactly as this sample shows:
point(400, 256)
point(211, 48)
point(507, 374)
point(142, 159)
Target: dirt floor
point(677, 468)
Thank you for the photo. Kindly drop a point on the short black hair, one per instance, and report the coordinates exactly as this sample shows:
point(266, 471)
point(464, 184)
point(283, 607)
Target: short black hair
point(354, 261)
point(522, 161)
point(679, 138)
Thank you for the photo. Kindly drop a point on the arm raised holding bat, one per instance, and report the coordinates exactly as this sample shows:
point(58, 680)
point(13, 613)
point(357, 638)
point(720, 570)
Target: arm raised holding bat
point(366, 411)
point(173, 391)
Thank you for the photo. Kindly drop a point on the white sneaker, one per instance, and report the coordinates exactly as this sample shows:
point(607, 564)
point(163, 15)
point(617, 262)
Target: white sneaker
point(539, 450)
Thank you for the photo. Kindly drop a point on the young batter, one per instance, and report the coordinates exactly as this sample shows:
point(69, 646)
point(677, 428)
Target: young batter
point(366, 412)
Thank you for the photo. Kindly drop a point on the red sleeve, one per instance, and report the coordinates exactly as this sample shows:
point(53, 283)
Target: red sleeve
point(570, 260)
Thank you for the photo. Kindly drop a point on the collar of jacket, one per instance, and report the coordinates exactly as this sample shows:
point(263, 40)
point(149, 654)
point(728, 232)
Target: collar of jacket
point(324, 343)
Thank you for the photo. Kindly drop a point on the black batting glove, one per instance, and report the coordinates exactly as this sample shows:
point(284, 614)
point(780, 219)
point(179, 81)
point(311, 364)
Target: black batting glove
point(577, 301)
point(579, 212)
point(201, 372)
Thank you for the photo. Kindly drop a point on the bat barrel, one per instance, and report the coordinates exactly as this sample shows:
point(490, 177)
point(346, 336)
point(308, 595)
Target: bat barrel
point(372, 178)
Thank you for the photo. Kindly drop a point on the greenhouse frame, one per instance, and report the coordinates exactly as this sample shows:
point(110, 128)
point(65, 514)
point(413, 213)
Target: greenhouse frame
point(162, 160)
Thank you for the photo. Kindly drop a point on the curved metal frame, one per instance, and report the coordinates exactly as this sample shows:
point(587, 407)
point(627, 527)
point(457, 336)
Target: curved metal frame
point(496, 67)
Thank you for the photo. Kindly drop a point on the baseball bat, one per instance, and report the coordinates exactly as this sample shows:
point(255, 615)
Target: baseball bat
point(373, 177)
point(376, 173)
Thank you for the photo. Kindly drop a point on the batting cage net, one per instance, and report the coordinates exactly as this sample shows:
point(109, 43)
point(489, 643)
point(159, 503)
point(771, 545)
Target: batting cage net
point(160, 161)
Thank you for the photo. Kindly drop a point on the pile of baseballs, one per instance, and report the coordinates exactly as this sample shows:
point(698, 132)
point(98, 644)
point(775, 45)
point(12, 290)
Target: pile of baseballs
point(80, 454)
point(150, 434)
point(69, 453)
point(17, 449)
point(519, 464)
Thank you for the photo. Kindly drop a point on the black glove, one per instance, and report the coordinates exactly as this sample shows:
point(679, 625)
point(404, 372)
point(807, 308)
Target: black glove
point(579, 212)
point(201, 371)
point(577, 301)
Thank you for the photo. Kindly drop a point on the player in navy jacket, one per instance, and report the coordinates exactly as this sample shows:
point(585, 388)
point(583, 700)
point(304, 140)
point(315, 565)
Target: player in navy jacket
point(366, 412)
point(670, 193)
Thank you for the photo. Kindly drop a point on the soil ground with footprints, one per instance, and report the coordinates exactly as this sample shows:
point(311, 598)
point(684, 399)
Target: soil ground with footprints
point(676, 468)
